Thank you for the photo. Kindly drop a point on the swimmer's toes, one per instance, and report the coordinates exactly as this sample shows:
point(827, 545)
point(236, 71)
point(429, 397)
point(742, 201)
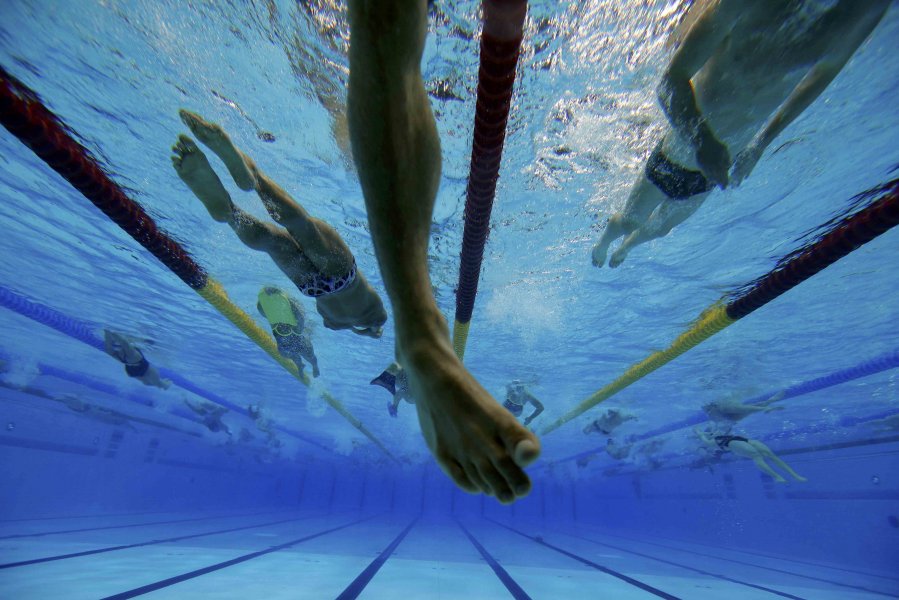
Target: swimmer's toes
point(457, 474)
point(526, 452)
point(516, 479)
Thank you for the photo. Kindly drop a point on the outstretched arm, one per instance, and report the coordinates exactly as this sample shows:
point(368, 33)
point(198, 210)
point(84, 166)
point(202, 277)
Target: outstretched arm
point(538, 408)
point(858, 20)
point(397, 153)
point(676, 92)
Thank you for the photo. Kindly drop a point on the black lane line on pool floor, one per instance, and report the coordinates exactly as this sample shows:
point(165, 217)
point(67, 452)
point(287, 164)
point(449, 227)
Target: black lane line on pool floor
point(86, 529)
point(689, 568)
point(152, 587)
point(35, 561)
point(511, 584)
point(775, 558)
point(739, 562)
point(355, 588)
point(94, 516)
point(634, 582)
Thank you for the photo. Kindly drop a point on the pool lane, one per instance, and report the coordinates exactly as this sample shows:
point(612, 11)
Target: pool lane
point(30, 552)
point(513, 586)
point(435, 560)
point(158, 566)
point(547, 570)
point(319, 568)
point(100, 526)
point(777, 573)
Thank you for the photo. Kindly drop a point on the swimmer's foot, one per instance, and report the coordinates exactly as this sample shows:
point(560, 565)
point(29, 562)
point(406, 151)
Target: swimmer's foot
point(618, 257)
point(194, 169)
point(599, 254)
point(477, 442)
point(614, 230)
point(214, 137)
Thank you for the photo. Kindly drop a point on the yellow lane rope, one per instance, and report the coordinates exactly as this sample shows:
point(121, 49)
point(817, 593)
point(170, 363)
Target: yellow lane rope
point(460, 337)
point(215, 294)
point(711, 321)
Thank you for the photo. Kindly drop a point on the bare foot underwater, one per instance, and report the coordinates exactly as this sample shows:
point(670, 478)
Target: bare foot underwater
point(478, 443)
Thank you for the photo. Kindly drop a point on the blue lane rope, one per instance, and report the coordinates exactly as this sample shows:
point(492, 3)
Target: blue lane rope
point(878, 364)
point(84, 332)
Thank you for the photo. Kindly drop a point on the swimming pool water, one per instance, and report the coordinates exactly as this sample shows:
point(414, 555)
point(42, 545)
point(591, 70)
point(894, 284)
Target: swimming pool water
point(158, 497)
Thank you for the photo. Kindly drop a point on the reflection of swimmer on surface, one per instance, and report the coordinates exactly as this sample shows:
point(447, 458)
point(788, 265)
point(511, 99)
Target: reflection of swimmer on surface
point(747, 448)
point(396, 147)
point(395, 381)
point(517, 397)
point(136, 365)
point(211, 415)
point(608, 422)
point(743, 71)
point(887, 424)
point(288, 321)
point(97, 413)
point(731, 411)
point(309, 251)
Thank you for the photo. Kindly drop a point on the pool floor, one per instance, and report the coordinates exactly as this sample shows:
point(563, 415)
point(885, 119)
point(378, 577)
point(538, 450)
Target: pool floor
point(281, 554)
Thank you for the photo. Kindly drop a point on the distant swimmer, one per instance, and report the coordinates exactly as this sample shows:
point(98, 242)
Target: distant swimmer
point(742, 72)
point(395, 381)
point(136, 365)
point(731, 411)
point(264, 423)
point(753, 449)
point(608, 421)
point(288, 322)
point(396, 148)
point(517, 397)
point(886, 424)
point(616, 450)
point(309, 251)
point(211, 414)
point(97, 413)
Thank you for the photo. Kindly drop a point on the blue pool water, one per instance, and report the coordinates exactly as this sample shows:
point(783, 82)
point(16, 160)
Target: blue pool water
point(133, 496)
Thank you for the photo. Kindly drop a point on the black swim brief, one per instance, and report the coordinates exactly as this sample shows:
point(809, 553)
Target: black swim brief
point(675, 181)
point(138, 369)
point(724, 441)
point(515, 409)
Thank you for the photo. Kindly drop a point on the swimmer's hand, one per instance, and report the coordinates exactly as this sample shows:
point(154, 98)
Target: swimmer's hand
point(745, 163)
point(713, 158)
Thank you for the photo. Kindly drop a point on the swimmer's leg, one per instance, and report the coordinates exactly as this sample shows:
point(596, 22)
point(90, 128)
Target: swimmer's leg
point(752, 450)
point(769, 454)
point(320, 242)
point(643, 199)
point(214, 137)
point(663, 219)
point(397, 152)
point(194, 169)
point(763, 466)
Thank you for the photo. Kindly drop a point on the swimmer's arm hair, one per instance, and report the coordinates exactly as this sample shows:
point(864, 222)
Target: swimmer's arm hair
point(856, 23)
point(675, 91)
